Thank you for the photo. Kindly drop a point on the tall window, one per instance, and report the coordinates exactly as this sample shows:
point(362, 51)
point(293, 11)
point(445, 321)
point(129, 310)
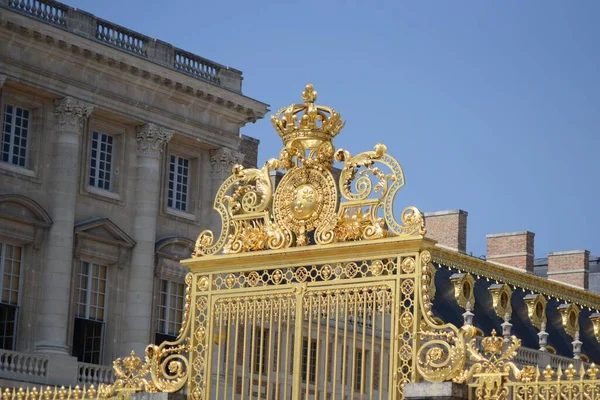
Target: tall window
point(261, 337)
point(309, 360)
point(170, 310)
point(10, 274)
point(90, 308)
point(177, 195)
point(101, 160)
point(359, 369)
point(15, 130)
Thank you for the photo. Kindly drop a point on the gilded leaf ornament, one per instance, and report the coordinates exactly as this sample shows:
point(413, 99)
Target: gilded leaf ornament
point(309, 206)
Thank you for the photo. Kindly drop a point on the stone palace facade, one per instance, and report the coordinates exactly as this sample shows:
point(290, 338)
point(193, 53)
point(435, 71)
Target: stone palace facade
point(113, 147)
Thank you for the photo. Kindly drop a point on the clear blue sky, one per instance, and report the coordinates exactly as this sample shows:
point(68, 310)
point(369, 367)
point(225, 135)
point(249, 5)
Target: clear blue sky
point(490, 106)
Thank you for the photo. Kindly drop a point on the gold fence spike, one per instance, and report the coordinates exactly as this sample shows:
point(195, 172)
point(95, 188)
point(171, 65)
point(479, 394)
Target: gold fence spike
point(592, 371)
point(581, 372)
point(76, 393)
point(559, 373)
point(548, 373)
point(89, 392)
point(570, 372)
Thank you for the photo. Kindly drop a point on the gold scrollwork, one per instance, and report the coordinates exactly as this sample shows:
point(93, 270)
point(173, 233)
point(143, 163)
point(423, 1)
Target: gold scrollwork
point(168, 362)
point(491, 371)
point(442, 354)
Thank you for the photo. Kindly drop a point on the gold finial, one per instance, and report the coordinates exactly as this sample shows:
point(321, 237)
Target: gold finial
point(310, 94)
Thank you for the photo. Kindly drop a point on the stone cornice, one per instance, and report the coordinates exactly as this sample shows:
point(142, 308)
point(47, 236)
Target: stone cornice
point(248, 114)
point(216, 136)
point(151, 140)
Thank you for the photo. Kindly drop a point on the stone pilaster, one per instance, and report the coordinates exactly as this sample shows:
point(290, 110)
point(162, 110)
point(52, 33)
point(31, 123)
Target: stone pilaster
point(2, 80)
point(151, 141)
point(222, 161)
point(53, 316)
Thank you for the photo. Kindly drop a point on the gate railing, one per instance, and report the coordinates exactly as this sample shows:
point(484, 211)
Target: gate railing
point(292, 330)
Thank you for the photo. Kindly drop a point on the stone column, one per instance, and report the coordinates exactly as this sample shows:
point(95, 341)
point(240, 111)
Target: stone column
point(151, 141)
point(53, 316)
point(222, 161)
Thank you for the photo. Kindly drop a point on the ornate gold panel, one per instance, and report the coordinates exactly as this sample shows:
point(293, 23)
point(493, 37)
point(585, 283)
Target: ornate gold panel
point(464, 289)
point(536, 309)
point(501, 299)
point(570, 318)
point(304, 207)
point(595, 318)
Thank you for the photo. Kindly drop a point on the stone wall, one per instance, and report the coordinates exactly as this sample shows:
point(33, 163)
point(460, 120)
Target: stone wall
point(155, 102)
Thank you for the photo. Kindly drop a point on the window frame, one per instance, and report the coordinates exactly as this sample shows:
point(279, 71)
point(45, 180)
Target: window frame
point(118, 175)
point(176, 175)
point(167, 320)
point(359, 384)
point(194, 155)
point(110, 141)
point(12, 134)
point(262, 346)
point(310, 377)
point(31, 170)
point(16, 306)
point(75, 316)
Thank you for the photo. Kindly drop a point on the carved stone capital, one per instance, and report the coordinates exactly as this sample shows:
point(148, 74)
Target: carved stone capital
point(223, 159)
point(2, 80)
point(70, 114)
point(151, 140)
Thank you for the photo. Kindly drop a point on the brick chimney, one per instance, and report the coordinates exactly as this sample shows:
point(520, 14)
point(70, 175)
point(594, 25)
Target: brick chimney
point(514, 249)
point(570, 267)
point(449, 228)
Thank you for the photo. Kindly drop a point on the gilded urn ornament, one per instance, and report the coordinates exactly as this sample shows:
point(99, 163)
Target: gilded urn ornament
point(308, 206)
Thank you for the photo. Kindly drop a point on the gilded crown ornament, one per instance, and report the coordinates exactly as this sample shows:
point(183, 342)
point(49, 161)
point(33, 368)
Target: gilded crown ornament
point(318, 124)
point(309, 205)
point(492, 344)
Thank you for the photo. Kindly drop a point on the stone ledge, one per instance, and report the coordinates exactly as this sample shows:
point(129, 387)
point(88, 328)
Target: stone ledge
point(435, 390)
point(566, 253)
point(493, 235)
point(507, 255)
point(447, 212)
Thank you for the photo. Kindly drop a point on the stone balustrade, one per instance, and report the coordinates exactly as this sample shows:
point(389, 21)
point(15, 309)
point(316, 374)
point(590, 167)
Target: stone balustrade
point(95, 374)
point(121, 37)
point(49, 369)
point(527, 356)
point(23, 367)
point(87, 25)
point(50, 11)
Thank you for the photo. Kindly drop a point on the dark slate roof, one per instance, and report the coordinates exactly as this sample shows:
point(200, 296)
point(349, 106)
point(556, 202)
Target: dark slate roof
point(446, 308)
point(540, 268)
